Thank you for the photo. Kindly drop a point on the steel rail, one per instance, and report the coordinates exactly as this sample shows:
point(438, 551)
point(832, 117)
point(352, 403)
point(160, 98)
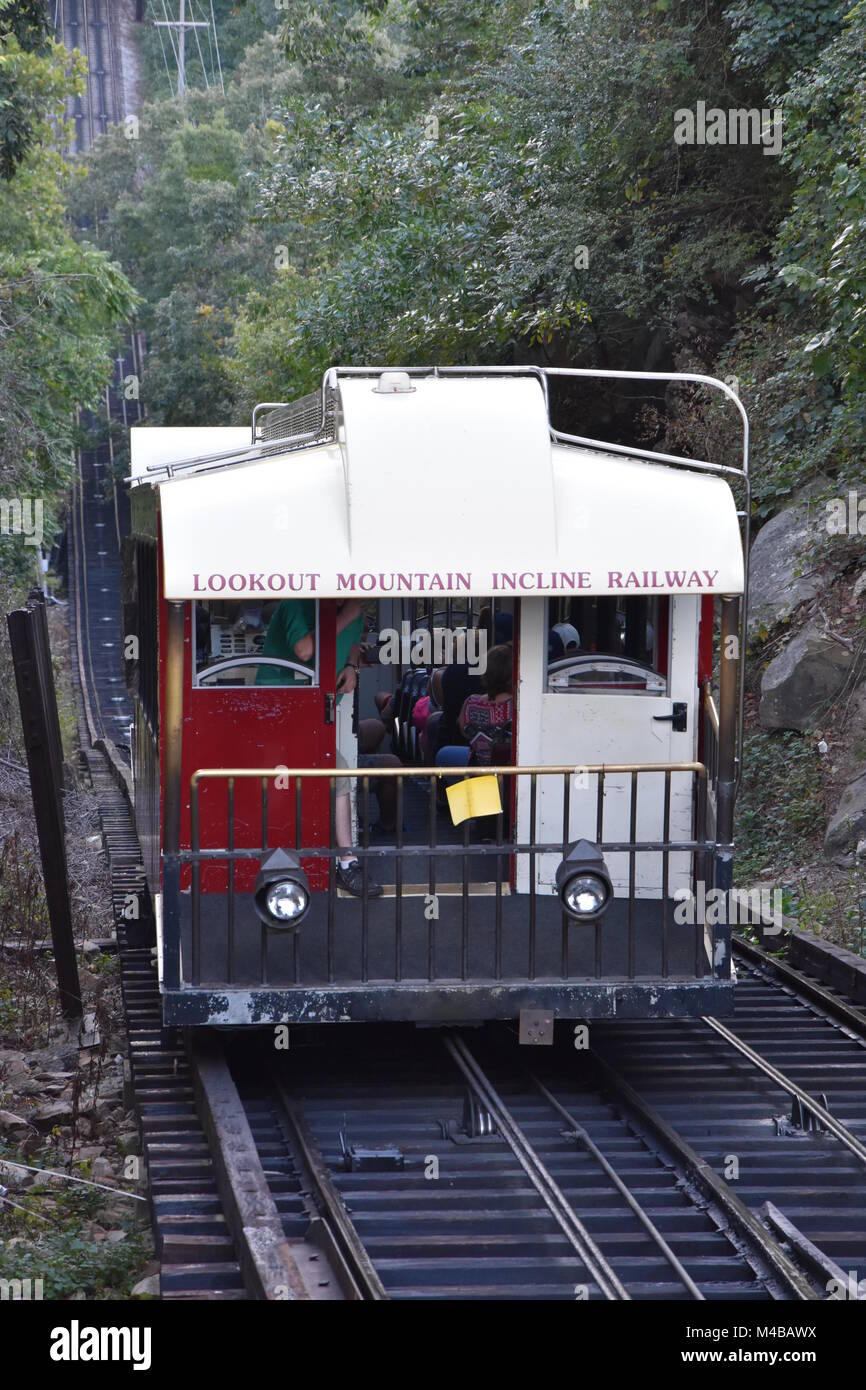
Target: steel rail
point(600, 1269)
point(840, 1010)
point(646, 1221)
point(828, 1121)
point(112, 63)
point(761, 1243)
point(82, 615)
point(344, 1241)
point(89, 72)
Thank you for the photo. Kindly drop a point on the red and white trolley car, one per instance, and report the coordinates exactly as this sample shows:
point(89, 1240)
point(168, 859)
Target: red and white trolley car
point(435, 503)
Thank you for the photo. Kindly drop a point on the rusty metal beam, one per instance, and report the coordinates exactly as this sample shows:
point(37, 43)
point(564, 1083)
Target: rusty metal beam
point(267, 1258)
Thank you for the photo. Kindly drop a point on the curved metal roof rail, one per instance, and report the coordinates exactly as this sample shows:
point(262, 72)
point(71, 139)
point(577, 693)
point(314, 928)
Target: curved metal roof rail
point(650, 454)
point(268, 448)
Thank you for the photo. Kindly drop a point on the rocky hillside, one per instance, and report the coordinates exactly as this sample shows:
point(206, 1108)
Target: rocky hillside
point(803, 808)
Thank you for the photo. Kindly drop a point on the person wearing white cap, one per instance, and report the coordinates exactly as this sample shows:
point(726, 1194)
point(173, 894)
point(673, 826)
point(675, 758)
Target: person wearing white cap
point(568, 636)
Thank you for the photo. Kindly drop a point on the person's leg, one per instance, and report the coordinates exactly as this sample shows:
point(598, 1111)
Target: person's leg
point(384, 788)
point(370, 735)
point(343, 812)
point(349, 872)
point(384, 699)
point(451, 755)
point(344, 824)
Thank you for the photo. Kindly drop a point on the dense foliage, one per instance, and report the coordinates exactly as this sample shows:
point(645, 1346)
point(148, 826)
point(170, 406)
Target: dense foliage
point(499, 180)
point(61, 299)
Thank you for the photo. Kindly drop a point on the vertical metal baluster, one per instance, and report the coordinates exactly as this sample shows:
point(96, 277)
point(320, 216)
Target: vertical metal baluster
point(431, 885)
point(599, 840)
point(666, 835)
point(599, 813)
point(533, 798)
point(332, 869)
point(265, 938)
point(230, 905)
point(398, 886)
point(195, 897)
point(498, 922)
point(365, 870)
point(296, 939)
point(701, 861)
point(632, 857)
point(566, 820)
point(464, 938)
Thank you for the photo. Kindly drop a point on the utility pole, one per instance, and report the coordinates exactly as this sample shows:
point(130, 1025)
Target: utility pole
point(181, 24)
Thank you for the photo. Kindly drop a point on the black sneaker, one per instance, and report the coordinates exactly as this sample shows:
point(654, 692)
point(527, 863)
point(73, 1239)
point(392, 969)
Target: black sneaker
point(352, 879)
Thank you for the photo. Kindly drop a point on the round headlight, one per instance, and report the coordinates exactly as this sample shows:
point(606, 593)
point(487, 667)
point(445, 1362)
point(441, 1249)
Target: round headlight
point(286, 902)
point(585, 895)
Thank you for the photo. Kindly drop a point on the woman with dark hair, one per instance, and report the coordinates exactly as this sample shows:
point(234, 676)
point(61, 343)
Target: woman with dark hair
point(485, 720)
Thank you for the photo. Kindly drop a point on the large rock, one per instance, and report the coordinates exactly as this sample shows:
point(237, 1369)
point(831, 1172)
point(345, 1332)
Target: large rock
point(11, 1124)
point(803, 680)
point(53, 1112)
point(782, 571)
point(849, 755)
point(848, 825)
point(146, 1288)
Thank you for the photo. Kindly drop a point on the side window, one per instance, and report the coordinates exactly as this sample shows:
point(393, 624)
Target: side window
point(248, 642)
point(145, 672)
point(617, 644)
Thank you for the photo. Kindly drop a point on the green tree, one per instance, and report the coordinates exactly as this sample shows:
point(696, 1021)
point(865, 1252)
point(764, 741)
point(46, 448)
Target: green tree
point(23, 28)
point(193, 175)
point(61, 302)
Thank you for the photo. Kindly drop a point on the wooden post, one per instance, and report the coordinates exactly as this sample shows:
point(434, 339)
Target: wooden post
point(36, 606)
point(31, 656)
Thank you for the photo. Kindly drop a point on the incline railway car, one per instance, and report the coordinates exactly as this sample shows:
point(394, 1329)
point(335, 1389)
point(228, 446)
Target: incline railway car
point(424, 715)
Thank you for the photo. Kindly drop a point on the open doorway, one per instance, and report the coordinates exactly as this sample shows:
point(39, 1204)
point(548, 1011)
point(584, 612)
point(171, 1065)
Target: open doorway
point(426, 684)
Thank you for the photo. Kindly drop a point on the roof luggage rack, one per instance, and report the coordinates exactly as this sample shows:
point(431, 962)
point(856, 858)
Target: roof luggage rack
point(316, 419)
point(313, 419)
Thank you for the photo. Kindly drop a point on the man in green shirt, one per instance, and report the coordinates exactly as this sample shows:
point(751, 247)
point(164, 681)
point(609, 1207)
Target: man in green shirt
point(291, 635)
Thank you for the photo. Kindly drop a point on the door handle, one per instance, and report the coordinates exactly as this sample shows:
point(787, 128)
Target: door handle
point(678, 719)
point(330, 708)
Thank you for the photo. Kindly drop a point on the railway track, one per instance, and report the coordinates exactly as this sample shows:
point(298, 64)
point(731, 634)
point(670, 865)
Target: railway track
point(100, 509)
point(589, 1177)
point(89, 26)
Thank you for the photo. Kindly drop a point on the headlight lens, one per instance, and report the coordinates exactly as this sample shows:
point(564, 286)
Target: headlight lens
point(286, 902)
point(585, 895)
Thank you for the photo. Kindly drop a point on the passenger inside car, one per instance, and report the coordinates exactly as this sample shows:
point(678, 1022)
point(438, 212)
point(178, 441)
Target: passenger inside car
point(485, 721)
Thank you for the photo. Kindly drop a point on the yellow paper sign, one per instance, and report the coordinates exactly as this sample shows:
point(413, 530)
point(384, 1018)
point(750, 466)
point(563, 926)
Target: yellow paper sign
point(475, 796)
